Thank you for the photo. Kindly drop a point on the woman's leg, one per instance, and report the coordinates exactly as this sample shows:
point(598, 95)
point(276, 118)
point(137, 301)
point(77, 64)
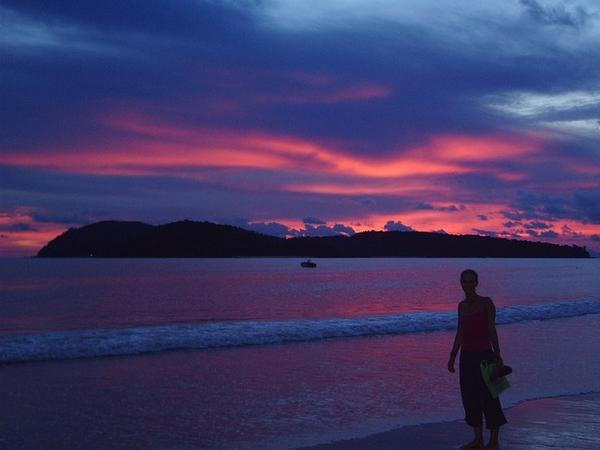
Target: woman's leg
point(492, 410)
point(494, 417)
point(470, 388)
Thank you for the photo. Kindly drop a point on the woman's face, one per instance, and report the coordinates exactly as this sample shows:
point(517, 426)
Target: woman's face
point(468, 283)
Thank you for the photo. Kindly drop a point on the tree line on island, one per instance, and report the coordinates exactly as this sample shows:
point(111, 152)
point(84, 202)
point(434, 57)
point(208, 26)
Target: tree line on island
point(189, 239)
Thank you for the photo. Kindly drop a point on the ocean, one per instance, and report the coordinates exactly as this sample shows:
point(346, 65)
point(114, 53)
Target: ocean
point(263, 354)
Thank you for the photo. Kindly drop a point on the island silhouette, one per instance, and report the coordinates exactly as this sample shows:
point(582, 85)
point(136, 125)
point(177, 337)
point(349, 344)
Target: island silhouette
point(190, 239)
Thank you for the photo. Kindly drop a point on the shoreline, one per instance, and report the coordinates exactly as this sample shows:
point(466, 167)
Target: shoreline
point(570, 421)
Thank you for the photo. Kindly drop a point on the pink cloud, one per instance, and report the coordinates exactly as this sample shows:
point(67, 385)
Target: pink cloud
point(21, 235)
point(328, 96)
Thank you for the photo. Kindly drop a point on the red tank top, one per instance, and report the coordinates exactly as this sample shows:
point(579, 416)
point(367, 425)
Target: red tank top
point(475, 331)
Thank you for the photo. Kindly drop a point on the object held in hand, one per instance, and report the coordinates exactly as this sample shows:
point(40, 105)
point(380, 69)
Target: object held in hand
point(500, 372)
point(494, 377)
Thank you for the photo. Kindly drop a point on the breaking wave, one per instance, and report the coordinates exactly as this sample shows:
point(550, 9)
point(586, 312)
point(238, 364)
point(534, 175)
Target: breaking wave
point(95, 343)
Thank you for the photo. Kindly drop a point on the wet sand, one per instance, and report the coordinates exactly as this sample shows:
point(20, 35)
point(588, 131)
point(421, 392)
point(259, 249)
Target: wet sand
point(570, 422)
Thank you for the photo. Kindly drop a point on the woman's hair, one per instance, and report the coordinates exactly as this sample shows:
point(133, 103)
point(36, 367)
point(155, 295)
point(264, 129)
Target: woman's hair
point(469, 272)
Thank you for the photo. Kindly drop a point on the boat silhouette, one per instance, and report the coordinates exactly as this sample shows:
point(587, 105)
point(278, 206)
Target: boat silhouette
point(308, 263)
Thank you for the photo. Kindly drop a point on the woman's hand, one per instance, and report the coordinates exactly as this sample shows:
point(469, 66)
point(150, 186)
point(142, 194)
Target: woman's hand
point(499, 361)
point(451, 363)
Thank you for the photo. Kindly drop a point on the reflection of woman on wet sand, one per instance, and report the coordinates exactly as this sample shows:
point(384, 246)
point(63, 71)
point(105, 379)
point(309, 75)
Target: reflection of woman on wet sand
point(477, 338)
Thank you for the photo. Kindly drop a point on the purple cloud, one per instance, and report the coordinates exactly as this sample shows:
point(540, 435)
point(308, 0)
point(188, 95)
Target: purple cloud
point(18, 227)
point(511, 224)
point(449, 208)
point(219, 69)
point(538, 225)
point(396, 226)
point(488, 233)
point(566, 230)
point(322, 230)
point(313, 221)
point(343, 229)
point(549, 234)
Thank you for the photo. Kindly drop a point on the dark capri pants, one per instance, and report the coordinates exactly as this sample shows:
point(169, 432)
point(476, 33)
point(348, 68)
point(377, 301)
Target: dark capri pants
point(476, 397)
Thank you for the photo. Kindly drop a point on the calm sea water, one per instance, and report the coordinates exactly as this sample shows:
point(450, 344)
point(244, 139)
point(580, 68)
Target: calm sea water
point(260, 353)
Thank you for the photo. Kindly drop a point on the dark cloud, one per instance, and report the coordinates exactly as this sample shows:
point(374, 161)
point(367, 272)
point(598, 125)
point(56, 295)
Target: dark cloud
point(162, 17)
point(583, 205)
point(566, 230)
point(542, 206)
point(511, 224)
point(511, 234)
point(59, 197)
point(367, 201)
point(221, 53)
point(321, 230)
point(557, 14)
point(82, 218)
point(18, 227)
point(396, 226)
point(280, 230)
point(588, 201)
point(151, 64)
point(514, 216)
point(270, 228)
point(366, 91)
point(313, 221)
point(488, 233)
point(549, 234)
point(449, 208)
point(538, 225)
point(343, 229)
point(482, 217)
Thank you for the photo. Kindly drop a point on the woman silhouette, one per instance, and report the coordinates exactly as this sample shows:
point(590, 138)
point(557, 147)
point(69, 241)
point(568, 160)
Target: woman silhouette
point(477, 338)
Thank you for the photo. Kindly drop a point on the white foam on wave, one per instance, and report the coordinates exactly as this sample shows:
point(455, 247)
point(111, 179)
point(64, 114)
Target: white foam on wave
point(131, 341)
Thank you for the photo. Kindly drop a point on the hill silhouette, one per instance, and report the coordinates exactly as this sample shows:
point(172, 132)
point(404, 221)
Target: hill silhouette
point(188, 239)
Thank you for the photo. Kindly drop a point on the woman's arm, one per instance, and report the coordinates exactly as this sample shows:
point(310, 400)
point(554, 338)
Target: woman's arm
point(457, 343)
point(492, 329)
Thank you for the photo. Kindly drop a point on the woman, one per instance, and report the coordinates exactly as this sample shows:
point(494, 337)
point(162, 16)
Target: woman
point(477, 338)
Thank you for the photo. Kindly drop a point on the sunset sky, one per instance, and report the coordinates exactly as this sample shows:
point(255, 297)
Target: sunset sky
point(301, 117)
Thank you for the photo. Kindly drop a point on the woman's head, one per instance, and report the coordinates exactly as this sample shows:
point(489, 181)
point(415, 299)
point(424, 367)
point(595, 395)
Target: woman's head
point(469, 280)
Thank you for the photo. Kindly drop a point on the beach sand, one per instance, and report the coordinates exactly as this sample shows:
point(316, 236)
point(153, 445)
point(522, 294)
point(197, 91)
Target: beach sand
point(566, 423)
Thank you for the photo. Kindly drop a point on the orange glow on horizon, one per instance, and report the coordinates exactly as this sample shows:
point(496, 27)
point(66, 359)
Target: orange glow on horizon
point(161, 148)
point(463, 221)
point(154, 148)
point(404, 187)
point(481, 149)
point(26, 242)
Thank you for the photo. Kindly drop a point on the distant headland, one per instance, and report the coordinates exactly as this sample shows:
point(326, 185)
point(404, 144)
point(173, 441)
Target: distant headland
point(189, 239)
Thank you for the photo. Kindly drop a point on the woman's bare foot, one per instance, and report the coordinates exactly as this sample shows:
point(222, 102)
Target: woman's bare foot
point(475, 443)
point(493, 442)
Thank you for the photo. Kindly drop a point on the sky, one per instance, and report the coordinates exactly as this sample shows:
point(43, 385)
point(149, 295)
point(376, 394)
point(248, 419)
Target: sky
point(301, 117)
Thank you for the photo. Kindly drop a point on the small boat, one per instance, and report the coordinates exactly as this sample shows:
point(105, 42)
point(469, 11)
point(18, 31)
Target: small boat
point(308, 263)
